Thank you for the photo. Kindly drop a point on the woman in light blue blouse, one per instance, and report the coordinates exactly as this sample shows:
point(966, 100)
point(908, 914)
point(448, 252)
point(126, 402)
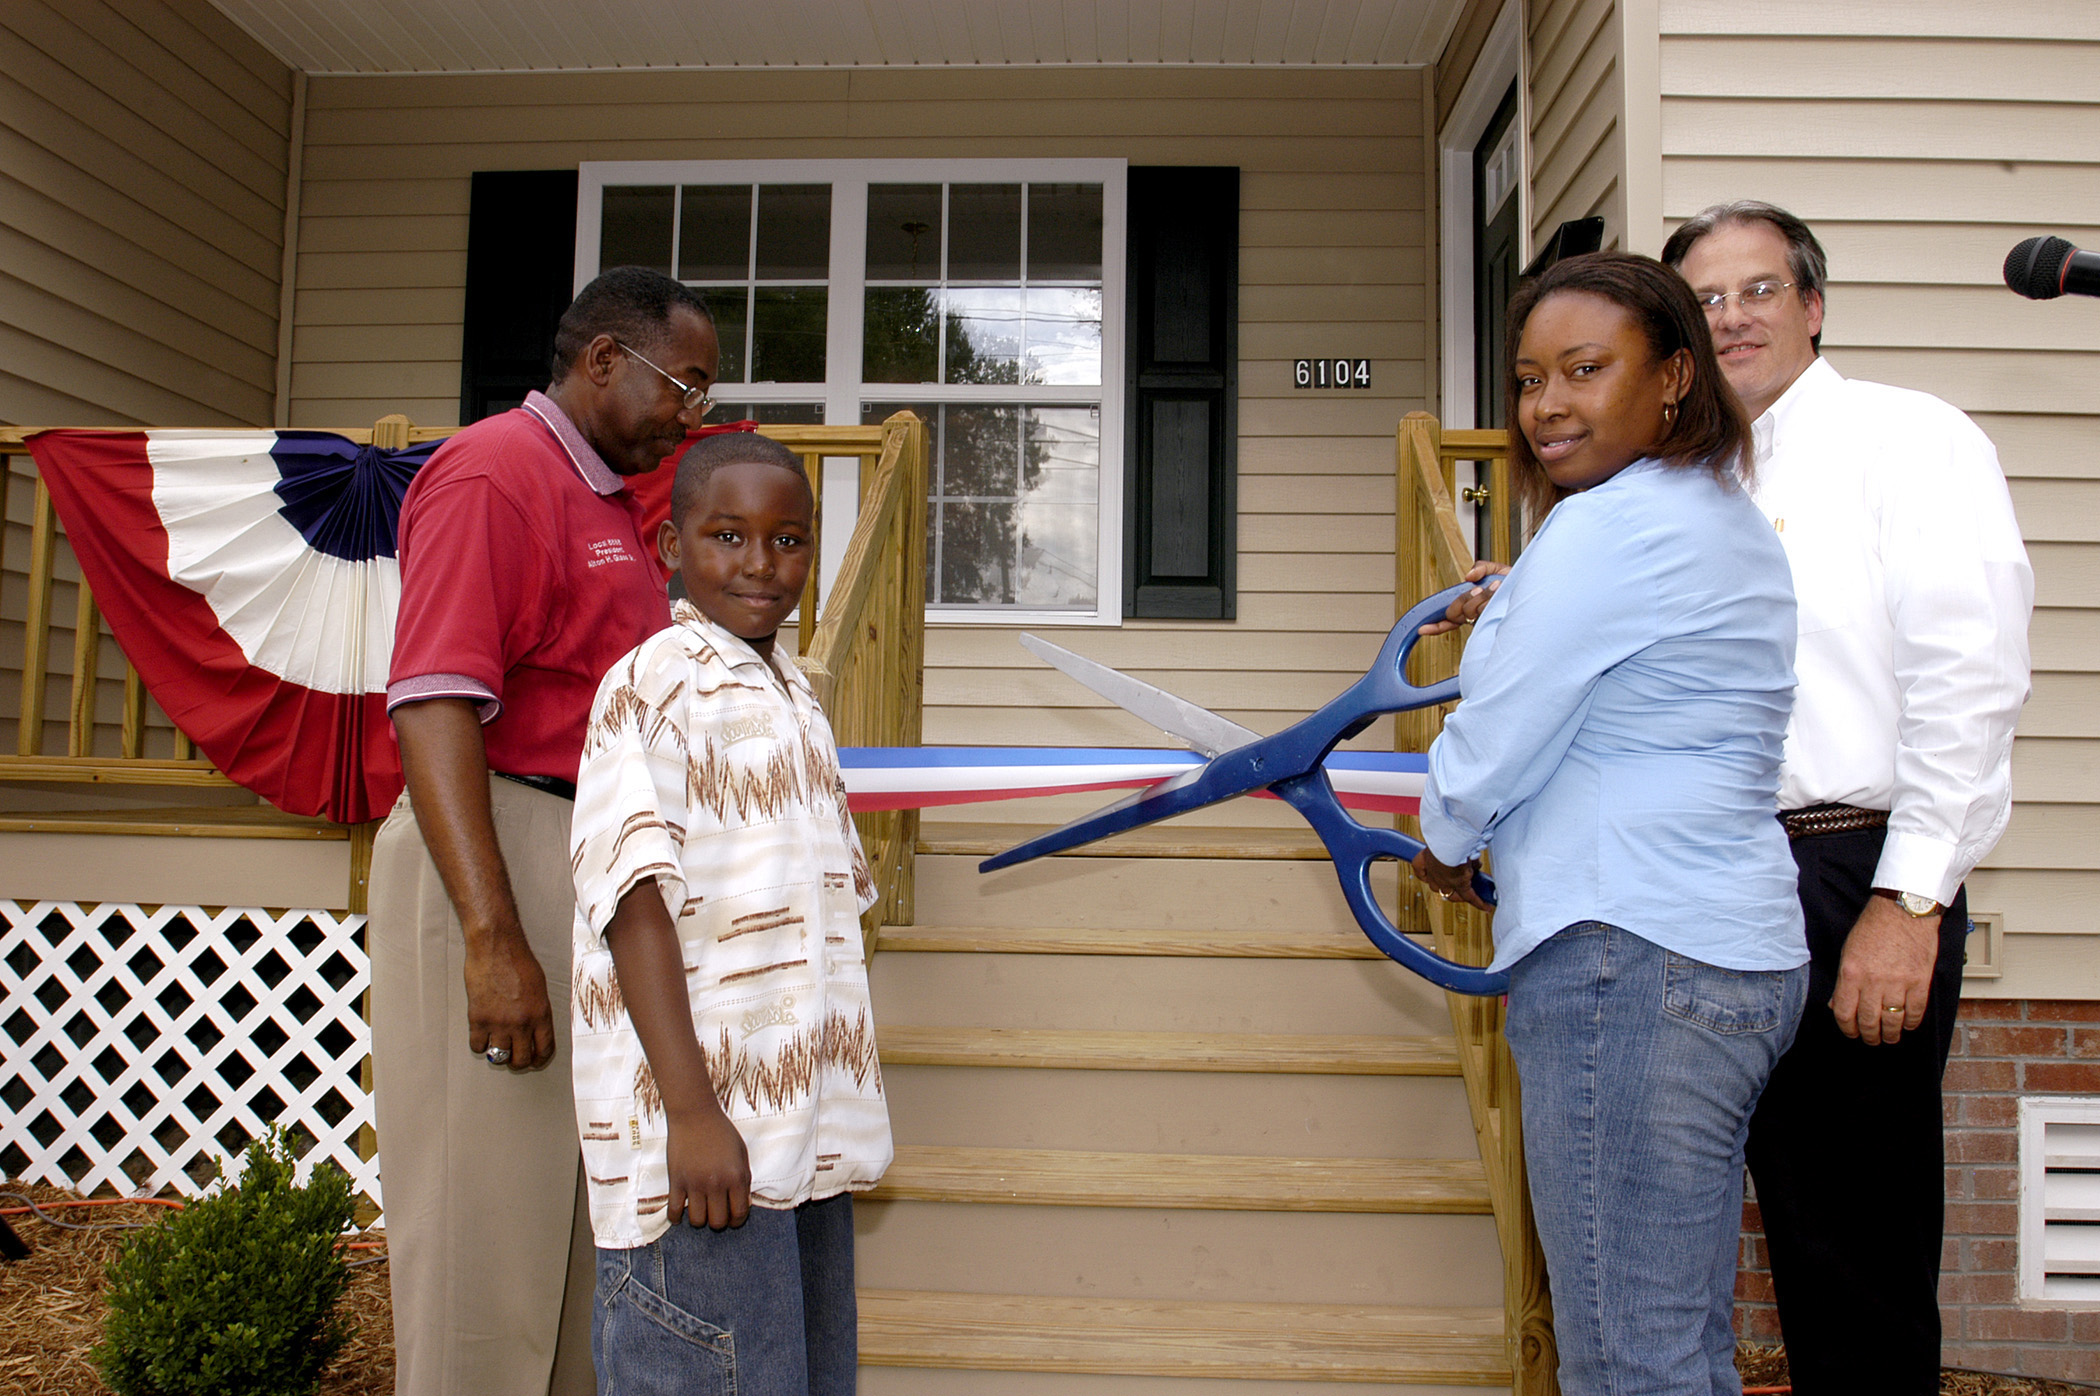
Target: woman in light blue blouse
point(1625, 700)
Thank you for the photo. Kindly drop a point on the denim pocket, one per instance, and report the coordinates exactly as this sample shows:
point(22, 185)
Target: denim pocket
point(651, 1347)
point(1722, 1000)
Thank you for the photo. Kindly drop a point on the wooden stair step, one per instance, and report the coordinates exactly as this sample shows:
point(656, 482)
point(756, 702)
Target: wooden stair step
point(1217, 1182)
point(1087, 1049)
point(1182, 1338)
point(1302, 943)
point(1154, 841)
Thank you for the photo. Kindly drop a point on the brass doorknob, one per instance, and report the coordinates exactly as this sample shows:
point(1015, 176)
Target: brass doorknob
point(1474, 494)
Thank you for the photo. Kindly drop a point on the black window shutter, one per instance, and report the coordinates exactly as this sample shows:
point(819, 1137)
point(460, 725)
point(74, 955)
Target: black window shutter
point(1182, 392)
point(521, 265)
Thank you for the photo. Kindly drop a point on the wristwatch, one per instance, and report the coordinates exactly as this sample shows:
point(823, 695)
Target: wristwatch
point(1914, 904)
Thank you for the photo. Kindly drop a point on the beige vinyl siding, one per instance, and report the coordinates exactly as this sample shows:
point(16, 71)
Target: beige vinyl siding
point(1922, 141)
point(142, 177)
point(1461, 52)
point(1577, 116)
point(143, 148)
point(1333, 260)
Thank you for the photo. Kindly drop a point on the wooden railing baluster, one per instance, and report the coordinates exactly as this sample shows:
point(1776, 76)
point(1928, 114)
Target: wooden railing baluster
point(87, 655)
point(36, 635)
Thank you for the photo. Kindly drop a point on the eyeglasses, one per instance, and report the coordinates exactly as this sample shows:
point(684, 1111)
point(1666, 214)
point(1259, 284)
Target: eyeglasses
point(689, 399)
point(1761, 296)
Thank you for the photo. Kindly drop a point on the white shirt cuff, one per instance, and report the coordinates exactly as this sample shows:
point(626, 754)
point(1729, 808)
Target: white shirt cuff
point(1920, 864)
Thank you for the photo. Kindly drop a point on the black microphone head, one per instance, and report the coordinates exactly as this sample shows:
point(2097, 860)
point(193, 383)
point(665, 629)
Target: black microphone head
point(2036, 267)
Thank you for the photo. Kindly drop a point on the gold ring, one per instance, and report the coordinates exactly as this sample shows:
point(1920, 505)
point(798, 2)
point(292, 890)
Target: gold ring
point(1892, 1010)
point(1448, 896)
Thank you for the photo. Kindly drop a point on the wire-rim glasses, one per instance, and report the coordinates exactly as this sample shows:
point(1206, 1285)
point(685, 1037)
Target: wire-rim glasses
point(689, 399)
point(1760, 295)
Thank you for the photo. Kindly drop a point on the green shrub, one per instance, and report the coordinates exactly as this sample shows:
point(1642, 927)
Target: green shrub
point(236, 1294)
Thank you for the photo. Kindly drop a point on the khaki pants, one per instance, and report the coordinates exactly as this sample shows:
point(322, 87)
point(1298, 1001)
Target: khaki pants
point(488, 1231)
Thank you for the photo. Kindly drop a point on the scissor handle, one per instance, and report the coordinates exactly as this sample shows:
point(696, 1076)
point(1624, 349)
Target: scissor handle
point(1386, 681)
point(1354, 848)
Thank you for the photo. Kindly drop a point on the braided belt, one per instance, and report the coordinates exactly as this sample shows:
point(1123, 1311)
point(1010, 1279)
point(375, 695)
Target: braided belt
point(1831, 819)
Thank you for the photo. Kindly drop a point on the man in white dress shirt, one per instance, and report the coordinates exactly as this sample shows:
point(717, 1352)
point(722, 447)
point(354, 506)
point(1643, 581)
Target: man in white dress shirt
point(1914, 593)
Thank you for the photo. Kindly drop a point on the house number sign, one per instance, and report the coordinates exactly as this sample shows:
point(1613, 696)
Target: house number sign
point(1331, 373)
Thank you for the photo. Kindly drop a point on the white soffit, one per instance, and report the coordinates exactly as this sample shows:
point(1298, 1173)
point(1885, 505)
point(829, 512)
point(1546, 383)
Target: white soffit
point(472, 36)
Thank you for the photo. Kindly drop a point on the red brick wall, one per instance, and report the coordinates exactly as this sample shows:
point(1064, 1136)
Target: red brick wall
point(2003, 1049)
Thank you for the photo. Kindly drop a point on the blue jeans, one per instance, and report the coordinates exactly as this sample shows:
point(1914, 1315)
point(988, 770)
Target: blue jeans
point(764, 1309)
point(1640, 1068)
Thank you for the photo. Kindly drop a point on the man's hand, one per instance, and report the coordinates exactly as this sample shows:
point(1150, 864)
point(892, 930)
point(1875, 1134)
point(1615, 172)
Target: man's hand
point(710, 1171)
point(507, 999)
point(1887, 966)
point(1453, 884)
point(1467, 608)
point(446, 764)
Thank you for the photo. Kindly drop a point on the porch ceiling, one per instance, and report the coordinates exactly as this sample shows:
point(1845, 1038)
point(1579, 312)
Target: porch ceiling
point(462, 36)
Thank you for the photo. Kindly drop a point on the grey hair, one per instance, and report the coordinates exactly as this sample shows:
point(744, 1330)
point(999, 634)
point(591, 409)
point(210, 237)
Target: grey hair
point(1805, 259)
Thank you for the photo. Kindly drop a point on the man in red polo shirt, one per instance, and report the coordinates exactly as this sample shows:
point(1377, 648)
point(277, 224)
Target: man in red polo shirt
point(525, 574)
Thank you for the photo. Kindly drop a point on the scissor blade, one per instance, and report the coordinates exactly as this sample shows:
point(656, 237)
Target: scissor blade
point(1161, 801)
point(1199, 727)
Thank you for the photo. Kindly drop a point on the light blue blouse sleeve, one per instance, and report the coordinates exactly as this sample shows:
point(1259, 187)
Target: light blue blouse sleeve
point(1578, 603)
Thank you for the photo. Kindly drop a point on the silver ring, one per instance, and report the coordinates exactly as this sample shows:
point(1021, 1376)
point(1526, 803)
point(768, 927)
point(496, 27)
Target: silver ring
point(497, 1055)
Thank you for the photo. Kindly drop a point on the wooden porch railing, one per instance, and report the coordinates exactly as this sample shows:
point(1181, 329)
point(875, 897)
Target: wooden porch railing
point(1431, 554)
point(863, 653)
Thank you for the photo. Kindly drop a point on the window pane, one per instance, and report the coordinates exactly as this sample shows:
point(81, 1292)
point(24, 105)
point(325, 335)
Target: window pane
point(727, 305)
point(980, 449)
point(1063, 464)
point(794, 232)
point(1059, 547)
point(904, 232)
point(1064, 232)
point(1063, 335)
point(984, 334)
point(635, 227)
point(976, 554)
point(787, 334)
point(901, 339)
point(714, 232)
point(984, 232)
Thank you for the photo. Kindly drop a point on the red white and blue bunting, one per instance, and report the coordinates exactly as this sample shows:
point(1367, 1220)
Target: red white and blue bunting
point(250, 578)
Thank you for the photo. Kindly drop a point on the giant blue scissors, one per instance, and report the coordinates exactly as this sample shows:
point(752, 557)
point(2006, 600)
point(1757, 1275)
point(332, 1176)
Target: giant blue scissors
point(1288, 765)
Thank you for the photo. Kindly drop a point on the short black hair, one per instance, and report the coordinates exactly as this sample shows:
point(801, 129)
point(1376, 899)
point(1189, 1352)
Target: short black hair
point(1708, 431)
point(632, 304)
point(1805, 259)
point(710, 453)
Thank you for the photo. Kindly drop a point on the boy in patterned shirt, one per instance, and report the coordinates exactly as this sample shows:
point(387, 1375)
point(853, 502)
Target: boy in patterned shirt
point(724, 1056)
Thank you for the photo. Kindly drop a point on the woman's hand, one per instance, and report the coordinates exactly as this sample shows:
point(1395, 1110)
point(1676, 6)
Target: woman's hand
point(1452, 884)
point(1467, 608)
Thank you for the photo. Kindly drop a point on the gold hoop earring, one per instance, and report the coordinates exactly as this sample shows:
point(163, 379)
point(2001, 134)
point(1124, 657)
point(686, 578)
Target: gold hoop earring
point(1669, 415)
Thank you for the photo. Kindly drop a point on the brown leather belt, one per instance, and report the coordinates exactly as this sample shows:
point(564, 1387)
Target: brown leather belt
point(1830, 819)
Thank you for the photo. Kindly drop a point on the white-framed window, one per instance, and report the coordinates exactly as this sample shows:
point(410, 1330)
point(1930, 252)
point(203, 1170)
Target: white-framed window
point(986, 295)
point(2060, 1200)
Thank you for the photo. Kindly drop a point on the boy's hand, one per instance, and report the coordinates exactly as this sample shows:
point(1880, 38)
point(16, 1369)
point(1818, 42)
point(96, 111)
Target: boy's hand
point(710, 1172)
point(1467, 608)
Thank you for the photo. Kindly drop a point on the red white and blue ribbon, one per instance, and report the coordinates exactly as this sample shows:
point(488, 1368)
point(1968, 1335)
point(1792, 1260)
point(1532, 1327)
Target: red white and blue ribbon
point(879, 778)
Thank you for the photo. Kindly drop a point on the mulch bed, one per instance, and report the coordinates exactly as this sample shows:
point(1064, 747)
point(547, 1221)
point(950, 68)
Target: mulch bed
point(51, 1315)
point(51, 1305)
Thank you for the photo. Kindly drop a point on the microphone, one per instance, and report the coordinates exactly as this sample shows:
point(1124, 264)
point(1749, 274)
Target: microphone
point(2042, 269)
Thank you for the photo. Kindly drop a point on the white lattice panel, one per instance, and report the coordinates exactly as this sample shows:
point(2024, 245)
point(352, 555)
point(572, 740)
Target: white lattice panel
point(139, 1046)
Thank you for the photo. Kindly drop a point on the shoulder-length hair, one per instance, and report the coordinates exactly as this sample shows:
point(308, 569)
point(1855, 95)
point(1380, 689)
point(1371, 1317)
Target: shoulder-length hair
point(1710, 431)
